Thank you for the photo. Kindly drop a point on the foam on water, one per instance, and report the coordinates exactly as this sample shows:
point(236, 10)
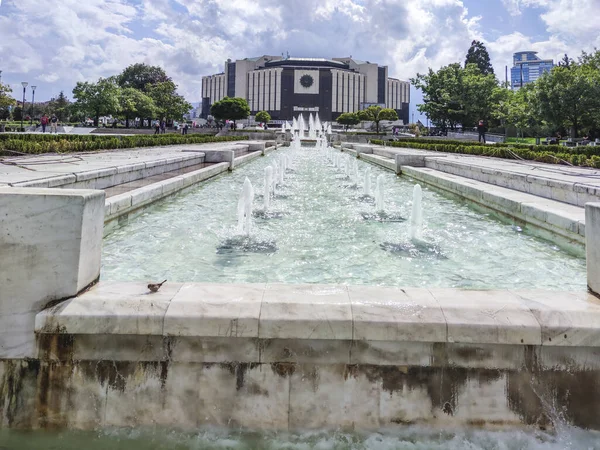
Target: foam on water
point(409, 438)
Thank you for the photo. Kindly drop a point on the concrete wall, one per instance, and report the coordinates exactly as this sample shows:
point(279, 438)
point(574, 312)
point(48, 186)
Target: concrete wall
point(306, 356)
point(50, 243)
point(592, 221)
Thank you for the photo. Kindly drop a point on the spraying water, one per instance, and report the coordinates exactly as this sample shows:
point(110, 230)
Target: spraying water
point(275, 177)
point(355, 170)
point(245, 208)
point(268, 186)
point(379, 194)
point(416, 218)
point(367, 182)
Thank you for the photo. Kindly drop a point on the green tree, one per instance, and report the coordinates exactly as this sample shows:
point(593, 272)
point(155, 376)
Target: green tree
point(442, 95)
point(376, 114)
point(169, 104)
point(457, 96)
point(348, 119)
point(17, 113)
point(517, 108)
point(478, 55)
point(230, 108)
point(134, 103)
point(569, 96)
point(6, 101)
point(60, 106)
point(565, 61)
point(262, 117)
point(142, 77)
point(97, 99)
point(478, 93)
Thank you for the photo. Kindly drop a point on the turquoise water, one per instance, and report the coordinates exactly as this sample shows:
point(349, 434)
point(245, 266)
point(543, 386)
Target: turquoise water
point(321, 235)
point(412, 438)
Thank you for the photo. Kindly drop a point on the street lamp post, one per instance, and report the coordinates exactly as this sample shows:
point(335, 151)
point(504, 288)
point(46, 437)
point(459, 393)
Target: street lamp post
point(32, 103)
point(24, 84)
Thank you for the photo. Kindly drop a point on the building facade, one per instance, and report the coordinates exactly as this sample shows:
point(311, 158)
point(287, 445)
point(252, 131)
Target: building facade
point(286, 87)
point(528, 67)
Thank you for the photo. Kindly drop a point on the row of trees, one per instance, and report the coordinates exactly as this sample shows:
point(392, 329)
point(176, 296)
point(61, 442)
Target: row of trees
point(139, 91)
point(565, 99)
point(373, 114)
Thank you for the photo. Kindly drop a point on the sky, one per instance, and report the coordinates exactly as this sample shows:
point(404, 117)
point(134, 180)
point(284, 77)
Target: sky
point(66, 41)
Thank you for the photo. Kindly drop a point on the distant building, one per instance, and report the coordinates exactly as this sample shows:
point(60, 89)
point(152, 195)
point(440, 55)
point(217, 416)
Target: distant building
point(287, 87)
point(528, 67)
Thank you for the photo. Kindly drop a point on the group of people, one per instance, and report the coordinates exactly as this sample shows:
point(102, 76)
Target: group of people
point(52, 121)
point(160, 127)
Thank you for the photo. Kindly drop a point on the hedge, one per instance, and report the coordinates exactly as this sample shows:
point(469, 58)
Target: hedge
point(36, 144)
point(588, 156)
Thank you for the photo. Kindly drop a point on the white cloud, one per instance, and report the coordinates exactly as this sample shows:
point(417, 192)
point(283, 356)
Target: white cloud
point(85, 39)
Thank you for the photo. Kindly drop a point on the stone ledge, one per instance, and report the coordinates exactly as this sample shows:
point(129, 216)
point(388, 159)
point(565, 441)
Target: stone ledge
point(327, 312)
point(555, 217)
point(121, 204)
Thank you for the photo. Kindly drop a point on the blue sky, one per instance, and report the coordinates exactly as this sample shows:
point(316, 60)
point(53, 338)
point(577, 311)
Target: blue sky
point(74, 40)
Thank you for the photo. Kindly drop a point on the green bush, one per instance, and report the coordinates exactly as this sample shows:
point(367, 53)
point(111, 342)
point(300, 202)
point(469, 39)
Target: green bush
point(552, 154)
point(36, 144)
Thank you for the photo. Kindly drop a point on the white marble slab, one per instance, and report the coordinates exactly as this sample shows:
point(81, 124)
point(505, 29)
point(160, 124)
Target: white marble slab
point(487, 317)
point(566, 318)
point(110, 308)
point(306, 312)
point(394, 314)
point(215, 310)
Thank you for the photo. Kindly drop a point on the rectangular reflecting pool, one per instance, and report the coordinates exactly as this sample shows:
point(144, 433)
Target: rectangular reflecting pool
point(321, 228)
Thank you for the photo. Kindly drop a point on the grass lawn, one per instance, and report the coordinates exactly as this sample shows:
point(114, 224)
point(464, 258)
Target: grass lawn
point(513, 140)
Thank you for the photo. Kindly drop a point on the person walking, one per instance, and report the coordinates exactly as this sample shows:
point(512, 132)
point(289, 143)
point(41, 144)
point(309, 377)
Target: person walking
point(156, 127)
point(44, 122)
point(185, 128)
point(481, 130)
point(163, 126)
point(53, 124)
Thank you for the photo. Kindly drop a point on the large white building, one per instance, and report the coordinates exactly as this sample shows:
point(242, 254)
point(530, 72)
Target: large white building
point(285, 87)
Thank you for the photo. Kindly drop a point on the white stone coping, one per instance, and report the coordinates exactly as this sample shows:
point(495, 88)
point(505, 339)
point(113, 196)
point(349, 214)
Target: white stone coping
point(118, 205)
point(330, 312)
point(559, 218)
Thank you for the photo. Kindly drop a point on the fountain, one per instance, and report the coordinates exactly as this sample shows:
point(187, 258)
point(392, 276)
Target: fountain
point(379, 194)
point(416, 218)
point(244, 209)
point(275, 177)
point(318, 125)
point(281, 169)
point(356, 174)
point(311, 127)
point(301, 126)
point(367, 182)
point(268, 186)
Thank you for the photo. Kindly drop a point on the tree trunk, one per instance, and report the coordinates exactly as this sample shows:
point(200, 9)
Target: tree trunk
point(126, 121)
point(96, 120)
point(377, 126)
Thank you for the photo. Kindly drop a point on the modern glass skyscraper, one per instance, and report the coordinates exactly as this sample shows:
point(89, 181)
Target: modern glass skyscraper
point(528, 67)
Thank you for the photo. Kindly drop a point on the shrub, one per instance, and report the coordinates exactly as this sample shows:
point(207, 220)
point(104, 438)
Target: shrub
point(553, 154)
point(36, 144)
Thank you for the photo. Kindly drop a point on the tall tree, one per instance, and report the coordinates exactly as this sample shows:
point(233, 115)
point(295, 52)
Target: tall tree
point(478, 55)
point(142, 77)
point(135, 103)
point(169, 104)
point(376, 114)
point(230, 108)
point(97, 99)
point(565, 61)
point(60, 107)
point(442, 95)
point(569, 96)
